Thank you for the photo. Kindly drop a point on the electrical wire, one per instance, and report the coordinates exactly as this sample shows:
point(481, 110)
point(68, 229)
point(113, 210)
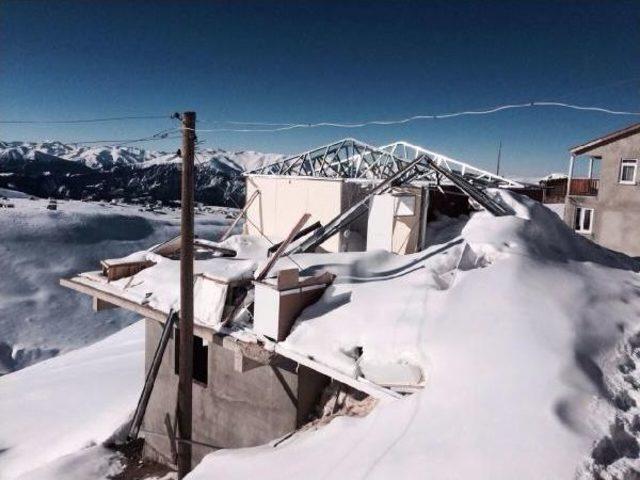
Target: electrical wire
point(279, 127)
point(161, 135)
point(84, 120)
point(401, 121)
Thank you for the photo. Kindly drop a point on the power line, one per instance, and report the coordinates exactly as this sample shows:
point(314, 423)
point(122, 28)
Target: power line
point(161, 135)
point(84, 120)
point(401, 121)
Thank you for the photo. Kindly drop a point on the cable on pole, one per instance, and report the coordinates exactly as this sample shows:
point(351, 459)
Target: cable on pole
point(401, 121)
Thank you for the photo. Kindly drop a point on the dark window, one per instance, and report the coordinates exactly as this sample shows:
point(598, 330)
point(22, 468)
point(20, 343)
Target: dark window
point(583, 220)
point(586, 223)
point(200, 357)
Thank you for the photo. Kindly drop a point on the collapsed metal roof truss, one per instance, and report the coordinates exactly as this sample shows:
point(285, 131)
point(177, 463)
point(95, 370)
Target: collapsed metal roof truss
point(347, 158)
point(350, 158)
point(408, 152)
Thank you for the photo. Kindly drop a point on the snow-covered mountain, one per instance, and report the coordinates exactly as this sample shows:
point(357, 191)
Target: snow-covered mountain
point(108, 157)
point(54, 169)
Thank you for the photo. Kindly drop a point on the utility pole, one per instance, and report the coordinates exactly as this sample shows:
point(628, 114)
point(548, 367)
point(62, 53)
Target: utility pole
point(499, 155)
point(185, 325)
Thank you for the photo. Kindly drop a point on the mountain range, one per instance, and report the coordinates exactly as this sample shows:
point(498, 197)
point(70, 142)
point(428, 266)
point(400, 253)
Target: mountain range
point(58, 170)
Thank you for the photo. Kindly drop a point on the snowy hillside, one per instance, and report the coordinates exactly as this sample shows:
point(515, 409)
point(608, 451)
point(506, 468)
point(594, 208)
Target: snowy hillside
point(67, 404)
point(529, 352)
point(40, 319)
point(529, 356)
point(53, 169)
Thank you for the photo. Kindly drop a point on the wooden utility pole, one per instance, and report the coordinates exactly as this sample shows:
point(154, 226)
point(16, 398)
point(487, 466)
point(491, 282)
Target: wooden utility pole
point(499, 158)
point(185, 363)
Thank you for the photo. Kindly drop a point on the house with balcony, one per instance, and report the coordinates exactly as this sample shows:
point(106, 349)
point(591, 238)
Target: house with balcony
point(603, 195)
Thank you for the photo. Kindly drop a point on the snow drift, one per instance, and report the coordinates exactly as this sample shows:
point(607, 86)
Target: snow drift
point(521, 355)
point(69, 403)
point(528, 352)
point(40, 319)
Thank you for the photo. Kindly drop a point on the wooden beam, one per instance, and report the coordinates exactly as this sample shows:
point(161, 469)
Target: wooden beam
point(240, 215)
point(115, 271)
point(278, 253)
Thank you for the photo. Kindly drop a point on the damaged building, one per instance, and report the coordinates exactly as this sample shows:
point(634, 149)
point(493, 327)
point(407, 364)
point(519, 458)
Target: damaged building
point(249, 385)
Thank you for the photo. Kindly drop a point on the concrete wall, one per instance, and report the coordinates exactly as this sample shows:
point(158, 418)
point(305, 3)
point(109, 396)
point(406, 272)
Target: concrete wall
point(234, 409)
point(283, 200)
point(616, 222)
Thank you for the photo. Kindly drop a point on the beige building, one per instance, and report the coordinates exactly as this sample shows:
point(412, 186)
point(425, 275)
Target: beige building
point(395, 222)
point(603, 202)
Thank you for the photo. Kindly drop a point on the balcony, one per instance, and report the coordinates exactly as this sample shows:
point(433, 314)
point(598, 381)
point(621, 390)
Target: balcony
point(584, 186)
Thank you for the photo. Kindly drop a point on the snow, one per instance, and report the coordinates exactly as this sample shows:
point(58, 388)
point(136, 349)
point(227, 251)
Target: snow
point(107, 157)
point(527, 350)
point(38, 317)
point(96, 463)
point(157, 286)
point(557, 208)
point(554, 176)
point(6, 192)
point(66, 404)
point(513, 351)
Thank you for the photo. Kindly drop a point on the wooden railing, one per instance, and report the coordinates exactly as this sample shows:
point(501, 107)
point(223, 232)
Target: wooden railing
point(584, 186)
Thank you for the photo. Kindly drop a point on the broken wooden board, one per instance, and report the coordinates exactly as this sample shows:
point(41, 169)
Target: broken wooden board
point(116, 269)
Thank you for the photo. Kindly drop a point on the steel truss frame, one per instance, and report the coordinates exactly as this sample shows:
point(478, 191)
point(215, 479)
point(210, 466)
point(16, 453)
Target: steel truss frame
point(350, 158)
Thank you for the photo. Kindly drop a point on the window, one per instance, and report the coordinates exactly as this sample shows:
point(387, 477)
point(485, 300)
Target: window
point(200, 357)
point(583, 221)
point(405, 205)
point(628, 170)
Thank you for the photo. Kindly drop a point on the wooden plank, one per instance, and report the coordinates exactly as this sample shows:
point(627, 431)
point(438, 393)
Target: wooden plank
point(167, 248)
point(115, 271)
point(263, 273)
point(242, 213)
point(150, 378)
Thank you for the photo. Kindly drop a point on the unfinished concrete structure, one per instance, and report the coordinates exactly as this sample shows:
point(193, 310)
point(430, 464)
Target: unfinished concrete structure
point(603, 200)
point(248, 389)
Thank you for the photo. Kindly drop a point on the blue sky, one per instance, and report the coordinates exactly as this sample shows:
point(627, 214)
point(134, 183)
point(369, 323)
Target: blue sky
point(345, 61)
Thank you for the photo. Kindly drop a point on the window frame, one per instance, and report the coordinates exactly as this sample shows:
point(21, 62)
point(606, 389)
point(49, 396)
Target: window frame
point(200, 358)
point(635, 171)
point(579, 217)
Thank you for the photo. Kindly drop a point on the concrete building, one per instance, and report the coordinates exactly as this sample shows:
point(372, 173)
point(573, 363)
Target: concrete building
point(603, 198)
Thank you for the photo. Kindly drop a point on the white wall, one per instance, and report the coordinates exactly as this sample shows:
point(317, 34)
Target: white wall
point(283, 200)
